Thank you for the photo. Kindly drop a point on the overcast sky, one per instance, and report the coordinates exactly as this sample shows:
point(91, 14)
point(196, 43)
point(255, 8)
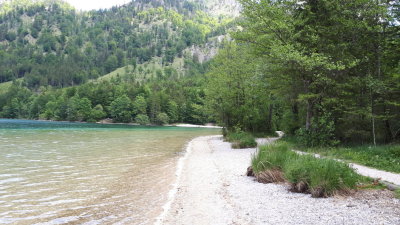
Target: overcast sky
point(95, 4)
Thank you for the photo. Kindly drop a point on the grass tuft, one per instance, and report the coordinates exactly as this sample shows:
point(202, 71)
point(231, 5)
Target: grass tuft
point(307, 174)
point(323, 177)
point(397, 193)
point(273, 156)
point(241, 139)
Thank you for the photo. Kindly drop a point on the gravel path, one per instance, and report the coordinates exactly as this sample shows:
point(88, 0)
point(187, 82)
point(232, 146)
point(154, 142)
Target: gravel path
point(212, 189)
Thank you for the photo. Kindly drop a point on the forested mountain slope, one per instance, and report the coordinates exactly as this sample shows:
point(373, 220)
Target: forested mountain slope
point(49, 43)
point(143, 61)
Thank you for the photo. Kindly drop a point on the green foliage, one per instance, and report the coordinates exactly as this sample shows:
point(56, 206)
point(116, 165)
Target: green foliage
point(329, 175)
point(325, 175)
point(49, 43)
point(162, 119)
point(241, 139)
point(310, 67)
point(111, 63)
point(385, 157)
point(321, 133)
point(140, 105)
point(273, 156)
point(142, 119)
point(172, 111)
point(121, 109)
point(236, 93)
point(11, 36)
point(97, 113)
point(78, 109)
point(173, 99)
point(397, 193)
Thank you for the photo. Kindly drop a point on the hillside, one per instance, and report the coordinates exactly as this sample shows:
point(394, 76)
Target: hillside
point(49, 43)
point(142, 62)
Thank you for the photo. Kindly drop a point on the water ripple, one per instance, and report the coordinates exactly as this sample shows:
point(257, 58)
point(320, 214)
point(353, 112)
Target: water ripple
point(121, 176)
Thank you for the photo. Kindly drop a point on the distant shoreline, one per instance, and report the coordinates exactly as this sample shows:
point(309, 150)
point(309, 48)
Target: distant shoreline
point(194, 125)
point(109, 121)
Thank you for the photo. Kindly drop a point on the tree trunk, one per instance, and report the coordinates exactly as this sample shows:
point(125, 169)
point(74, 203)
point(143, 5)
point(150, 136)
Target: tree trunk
point(271, 110)
point(309, 114)
point(372, 117)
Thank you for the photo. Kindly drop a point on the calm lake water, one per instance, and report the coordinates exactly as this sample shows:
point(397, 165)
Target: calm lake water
point(75, 173)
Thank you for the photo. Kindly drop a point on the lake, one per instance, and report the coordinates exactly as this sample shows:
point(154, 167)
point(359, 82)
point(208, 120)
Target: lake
point(80, 173)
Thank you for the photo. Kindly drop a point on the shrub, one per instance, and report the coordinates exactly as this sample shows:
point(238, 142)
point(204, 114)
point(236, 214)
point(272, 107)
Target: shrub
point(241, 139)
point(142, 119)
point(321, 133)
point(121, 109)
point(162, 118)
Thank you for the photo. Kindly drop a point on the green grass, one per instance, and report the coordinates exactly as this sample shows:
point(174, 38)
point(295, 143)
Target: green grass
point(6, 85)
point(241, 139)
point(273, 156)
point(114, 74)
point(147, 71)
point(321, 177)
point(397, 193)
point(325, 174)
point(384, 157)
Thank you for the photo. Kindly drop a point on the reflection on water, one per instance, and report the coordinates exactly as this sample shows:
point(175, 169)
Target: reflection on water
point(58, 173)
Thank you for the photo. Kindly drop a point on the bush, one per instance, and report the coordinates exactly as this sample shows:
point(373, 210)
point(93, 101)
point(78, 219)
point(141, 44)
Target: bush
point(307, 174)
point(321, 133)
point(142, 119)
point(241, 139)
point(121, 109)
point(162, 118)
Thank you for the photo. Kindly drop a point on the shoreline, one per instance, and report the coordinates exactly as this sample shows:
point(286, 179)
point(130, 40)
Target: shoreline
point(178, 174)
point(109, 122)
point(211, 188)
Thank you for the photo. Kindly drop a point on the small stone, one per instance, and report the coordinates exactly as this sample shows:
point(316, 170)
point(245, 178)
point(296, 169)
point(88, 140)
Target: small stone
point(250, 172)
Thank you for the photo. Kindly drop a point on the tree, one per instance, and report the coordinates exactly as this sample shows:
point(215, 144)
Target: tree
point(97, 113)
point(142, 119)
point(236, 93)
point(121, 109)
point(172, 111)
point(78, 109)
point(162, 118)
point(111, 63)
point(140, 105)
point(325, 53)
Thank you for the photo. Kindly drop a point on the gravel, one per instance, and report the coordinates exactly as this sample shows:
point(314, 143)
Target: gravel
point(213, 189)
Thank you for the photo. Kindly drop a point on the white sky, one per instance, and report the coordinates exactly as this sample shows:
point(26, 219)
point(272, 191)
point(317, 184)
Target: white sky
point(95, 4)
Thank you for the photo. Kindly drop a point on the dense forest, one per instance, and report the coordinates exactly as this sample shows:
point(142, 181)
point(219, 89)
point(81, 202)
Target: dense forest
point(53, 60)
point(327, 71)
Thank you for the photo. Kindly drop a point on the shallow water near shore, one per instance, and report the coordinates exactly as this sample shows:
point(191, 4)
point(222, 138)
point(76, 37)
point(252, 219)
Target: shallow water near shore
point(75, 173)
